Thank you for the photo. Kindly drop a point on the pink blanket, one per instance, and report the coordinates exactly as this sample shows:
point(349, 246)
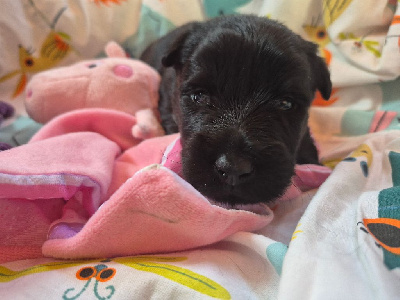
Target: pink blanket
point(83, 187)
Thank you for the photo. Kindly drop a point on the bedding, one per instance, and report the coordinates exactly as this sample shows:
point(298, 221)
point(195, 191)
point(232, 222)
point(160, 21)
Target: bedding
point(336, 234)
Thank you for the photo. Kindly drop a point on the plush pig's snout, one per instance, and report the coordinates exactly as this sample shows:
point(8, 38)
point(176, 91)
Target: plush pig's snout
point(124, 71)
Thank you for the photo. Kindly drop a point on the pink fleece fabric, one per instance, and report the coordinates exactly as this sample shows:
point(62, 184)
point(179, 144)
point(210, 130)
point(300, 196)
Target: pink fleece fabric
point(85, 188)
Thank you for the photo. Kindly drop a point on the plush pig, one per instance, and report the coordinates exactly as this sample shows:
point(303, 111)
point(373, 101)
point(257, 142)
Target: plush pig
point(115, 82)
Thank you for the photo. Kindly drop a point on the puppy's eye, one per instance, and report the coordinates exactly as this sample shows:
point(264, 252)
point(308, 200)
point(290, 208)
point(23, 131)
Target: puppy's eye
point(201, 98)
point(285, 105)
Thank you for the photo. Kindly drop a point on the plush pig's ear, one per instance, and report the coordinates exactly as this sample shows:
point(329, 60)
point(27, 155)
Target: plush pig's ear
point(114, 50)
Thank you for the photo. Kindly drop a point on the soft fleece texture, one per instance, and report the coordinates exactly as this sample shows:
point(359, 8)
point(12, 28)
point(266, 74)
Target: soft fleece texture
point(77, 190)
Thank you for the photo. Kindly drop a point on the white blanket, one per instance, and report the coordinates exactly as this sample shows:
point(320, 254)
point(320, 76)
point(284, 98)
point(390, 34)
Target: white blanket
point(341, 241)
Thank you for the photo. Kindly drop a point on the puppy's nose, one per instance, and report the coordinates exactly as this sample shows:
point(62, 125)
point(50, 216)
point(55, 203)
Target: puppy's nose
point(233, 170)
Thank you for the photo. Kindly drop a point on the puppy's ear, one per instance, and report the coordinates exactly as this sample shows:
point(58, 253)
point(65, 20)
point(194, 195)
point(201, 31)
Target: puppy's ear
point(173, 55)
point(320, 74)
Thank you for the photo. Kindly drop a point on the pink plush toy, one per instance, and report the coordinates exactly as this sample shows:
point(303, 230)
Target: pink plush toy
point(115, 82)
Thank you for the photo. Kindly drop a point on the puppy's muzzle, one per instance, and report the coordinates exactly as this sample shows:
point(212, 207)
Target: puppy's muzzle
point(233, 170)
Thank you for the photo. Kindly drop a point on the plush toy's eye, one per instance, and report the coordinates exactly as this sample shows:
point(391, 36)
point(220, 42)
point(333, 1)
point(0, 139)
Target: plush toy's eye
point(285, 105)
point(94, 64)
point(200, 98)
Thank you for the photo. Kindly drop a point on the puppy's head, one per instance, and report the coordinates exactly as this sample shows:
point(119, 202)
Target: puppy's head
point(245, 84)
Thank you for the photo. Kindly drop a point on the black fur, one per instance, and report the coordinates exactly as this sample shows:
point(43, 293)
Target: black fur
point(227, 86)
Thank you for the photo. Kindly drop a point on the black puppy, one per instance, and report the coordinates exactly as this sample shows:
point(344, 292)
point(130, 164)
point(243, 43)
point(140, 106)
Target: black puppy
point(238, 89)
